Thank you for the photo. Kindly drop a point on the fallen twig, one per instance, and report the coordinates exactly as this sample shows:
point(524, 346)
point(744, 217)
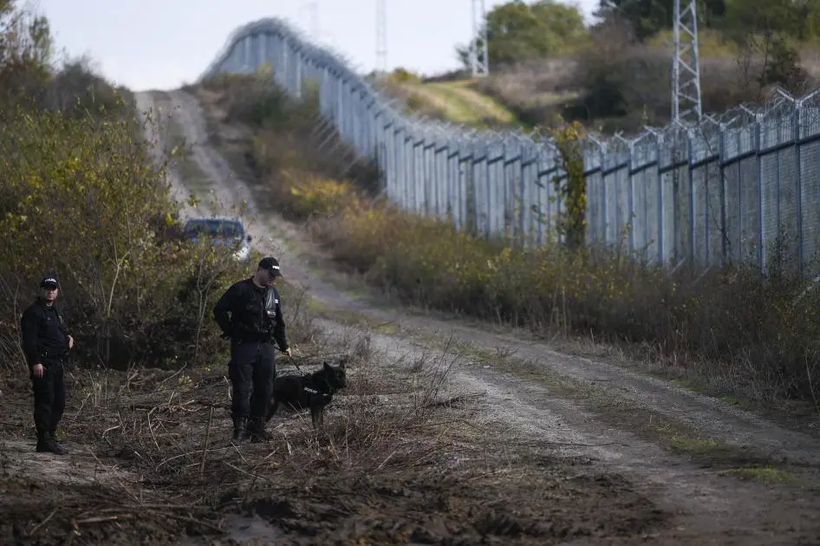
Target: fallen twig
point(176, 373)
point(384, 462)
point(137, 508)
point(252, 474)
point(109, 429)
point(207, 439)
point(151, 429)
point(189, 519)
point(34, 530)
point(175, 457)
point(102, 519)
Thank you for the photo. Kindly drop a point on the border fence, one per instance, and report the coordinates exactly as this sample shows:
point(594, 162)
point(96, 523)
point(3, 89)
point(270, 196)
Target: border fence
point(726, 190)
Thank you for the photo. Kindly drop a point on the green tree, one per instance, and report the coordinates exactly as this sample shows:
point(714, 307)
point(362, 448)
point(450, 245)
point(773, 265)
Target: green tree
point(764, 17)
point(648, 17)
point(766, 30)
point(26, 52)
point(809, 13)
point(517, 31)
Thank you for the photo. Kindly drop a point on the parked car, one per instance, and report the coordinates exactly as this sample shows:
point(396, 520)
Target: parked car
point(220, 230)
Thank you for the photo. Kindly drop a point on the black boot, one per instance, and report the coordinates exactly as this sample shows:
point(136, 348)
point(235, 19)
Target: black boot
point(256, 430)
point(47, 444)
point(53, 435)
point(240, 432)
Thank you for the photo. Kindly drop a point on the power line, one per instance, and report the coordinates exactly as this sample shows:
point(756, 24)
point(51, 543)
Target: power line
point(479, 50)
point(686, 96)
point(381, 36)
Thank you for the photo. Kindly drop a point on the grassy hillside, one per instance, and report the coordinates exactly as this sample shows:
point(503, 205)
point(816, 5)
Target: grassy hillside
point(614, 85)
point(458, 101)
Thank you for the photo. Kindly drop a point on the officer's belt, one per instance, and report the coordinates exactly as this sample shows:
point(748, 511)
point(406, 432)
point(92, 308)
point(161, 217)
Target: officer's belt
point(252, 339)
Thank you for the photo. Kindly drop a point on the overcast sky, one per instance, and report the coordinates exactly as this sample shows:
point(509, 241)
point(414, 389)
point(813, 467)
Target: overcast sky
point(158, 44)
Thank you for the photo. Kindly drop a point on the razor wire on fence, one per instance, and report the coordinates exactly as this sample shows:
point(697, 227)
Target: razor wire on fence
point(740, 187)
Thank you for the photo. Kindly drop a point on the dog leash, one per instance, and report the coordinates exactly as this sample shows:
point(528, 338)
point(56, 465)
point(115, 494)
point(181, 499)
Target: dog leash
point(295, 364)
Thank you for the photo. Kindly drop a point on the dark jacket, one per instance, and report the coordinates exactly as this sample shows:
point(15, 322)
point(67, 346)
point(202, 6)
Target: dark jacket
point(44, 334)
point(255, 314)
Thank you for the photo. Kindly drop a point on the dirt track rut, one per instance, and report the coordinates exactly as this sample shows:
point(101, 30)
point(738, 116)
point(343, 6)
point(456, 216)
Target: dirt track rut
point(710, 506)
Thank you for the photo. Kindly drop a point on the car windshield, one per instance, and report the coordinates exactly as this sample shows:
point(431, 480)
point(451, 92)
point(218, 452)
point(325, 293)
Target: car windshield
point(222, 229)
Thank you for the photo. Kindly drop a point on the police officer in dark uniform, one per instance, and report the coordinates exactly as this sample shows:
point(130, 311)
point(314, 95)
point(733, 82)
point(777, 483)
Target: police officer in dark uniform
point(255, 321)
point(46, 345)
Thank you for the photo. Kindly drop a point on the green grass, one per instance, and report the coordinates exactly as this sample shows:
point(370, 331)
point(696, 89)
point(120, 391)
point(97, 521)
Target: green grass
point(475, 105)
point(463, 102)
point(766, 474)
point(701, 388)
point(458, 102)
point(316, 306)
point(703, 448)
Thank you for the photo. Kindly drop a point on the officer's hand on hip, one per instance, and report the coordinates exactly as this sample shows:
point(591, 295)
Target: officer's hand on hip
point(38, 370)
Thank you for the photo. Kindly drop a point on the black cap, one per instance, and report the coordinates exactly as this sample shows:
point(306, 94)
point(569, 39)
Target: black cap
point(271, 265)
point(49, 281)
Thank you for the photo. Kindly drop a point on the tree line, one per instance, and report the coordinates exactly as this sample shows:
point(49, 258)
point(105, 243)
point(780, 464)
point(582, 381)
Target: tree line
point(519, 31)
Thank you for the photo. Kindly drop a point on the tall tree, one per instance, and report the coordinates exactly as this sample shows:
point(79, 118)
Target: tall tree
point(648, 17)
point(765, 16)
point(517, 31)
point(766, 29)
point(26, 50)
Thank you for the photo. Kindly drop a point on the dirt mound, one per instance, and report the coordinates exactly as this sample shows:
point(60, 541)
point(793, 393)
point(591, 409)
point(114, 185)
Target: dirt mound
point(453, 507)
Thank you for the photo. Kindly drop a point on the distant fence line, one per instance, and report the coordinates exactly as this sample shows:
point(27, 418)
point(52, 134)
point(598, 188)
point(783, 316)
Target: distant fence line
point(726, 190)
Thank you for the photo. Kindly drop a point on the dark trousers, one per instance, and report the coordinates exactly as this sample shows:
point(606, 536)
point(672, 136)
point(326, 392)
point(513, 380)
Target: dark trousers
point(49, 397)
point(252, 371)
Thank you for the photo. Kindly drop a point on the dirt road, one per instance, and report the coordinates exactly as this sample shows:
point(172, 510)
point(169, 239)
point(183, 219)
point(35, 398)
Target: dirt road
point(688, 453)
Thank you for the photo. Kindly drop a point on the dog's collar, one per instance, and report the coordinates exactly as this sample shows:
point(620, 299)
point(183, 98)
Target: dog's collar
point(314, 391)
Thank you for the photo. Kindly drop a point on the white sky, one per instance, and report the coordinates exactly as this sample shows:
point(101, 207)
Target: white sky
point(160, 44)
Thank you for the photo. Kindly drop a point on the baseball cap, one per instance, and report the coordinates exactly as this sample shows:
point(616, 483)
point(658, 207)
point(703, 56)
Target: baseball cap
point(272, 266)
point(49, 281)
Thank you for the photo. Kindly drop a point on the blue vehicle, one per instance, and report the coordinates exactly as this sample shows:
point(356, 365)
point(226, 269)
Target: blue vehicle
point(221, 231)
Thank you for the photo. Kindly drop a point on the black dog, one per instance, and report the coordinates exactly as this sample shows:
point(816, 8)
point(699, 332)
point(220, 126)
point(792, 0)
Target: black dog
point(314, 391)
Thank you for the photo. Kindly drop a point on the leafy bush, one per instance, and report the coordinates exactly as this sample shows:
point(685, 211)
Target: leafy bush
point(314, 196)
point(82, 198)
point(402, 75)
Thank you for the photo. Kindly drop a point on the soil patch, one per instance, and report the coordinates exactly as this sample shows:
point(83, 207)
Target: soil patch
point(468, 506)
point(402, 460)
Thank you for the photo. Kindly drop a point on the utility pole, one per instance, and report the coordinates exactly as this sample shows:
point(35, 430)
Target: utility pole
point(686, 103)
point(479, 50)
point(381, 37)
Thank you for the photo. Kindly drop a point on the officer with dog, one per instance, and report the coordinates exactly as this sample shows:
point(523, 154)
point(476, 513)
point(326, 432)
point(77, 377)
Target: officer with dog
point(46, 345)
point(255, 322)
